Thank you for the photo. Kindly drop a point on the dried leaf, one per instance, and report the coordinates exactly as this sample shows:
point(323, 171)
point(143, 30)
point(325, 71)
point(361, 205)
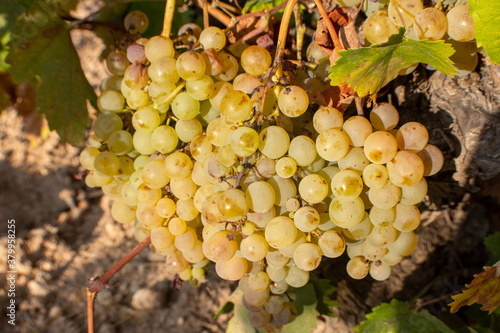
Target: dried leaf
point(484, 289)
point(340, 18)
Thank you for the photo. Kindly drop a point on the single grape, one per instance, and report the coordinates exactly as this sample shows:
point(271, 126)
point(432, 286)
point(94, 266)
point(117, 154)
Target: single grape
point(460, 24)
point(212, 38)
point(274, 142)
point(307, 256)
point(378, 27)
point(313, 188)
point(293, 101)
point(255, 60)
point(136, 22)
point(430, 23)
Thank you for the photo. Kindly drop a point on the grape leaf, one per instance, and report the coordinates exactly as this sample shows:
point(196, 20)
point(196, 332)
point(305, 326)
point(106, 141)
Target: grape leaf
point(258, 5)
point(225, 309)
point(9, 10)
point(484, 289)
point(486, 16)
point(397, 317)
point(492, 243)
point(47, 58)
point(305, 301)
point(368, 69)
point(324, 289)
point(239, 322)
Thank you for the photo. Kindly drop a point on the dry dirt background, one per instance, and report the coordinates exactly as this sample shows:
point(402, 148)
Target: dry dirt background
point(65, 233)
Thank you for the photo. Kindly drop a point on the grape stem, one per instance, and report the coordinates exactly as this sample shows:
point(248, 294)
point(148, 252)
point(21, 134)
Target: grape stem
point(218, 14)
point(276, 70)
point(168, 18)
point(101, 282)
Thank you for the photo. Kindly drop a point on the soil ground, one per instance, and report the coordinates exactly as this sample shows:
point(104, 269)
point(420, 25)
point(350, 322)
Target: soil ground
point(65, 234)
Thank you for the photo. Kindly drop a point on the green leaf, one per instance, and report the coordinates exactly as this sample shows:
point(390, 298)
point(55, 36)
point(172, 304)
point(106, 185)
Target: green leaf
point(47, 58)
point(239, 322)
point(225, 309)
point(258, 5)
point(324, 289)
point(486, 16)
point(305, 301)
point(368, 69)
point(397, 317)
point(9, 11)
point(492, 243)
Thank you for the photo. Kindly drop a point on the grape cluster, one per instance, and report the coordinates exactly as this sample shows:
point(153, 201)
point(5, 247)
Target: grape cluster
point(213, 169)
point(451, 23)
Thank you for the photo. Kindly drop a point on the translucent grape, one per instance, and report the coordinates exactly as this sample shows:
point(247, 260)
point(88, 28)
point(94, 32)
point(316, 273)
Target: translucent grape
point(230, 67)
point(165, 207)
point(375, 175)
point(354, 160)
point(460, 24)
point(430, 23)
point(136, 22)
point(385, 197)
point(306, 218)
point(260, 196)
point(380, 147)
point(87, 157)
point(110, 100)
point(187, 130)
point(184, 106)
point(121, 212)
point(148, 216)
point(407, 217)
point(433, 159)
point(357, 128)
point(382, 217)
point(313, 188)
point(212, 38)
point(384, 117)
point(403, 12)
point(117, 62)
point(178, 165)
point(347, 185)
point(332, 144)
point(190, 65)
point(405, 169)
point(142, 143)
point(201, 88)
point(120, 142)
point(158, 47)
point(327, 117)
point(163, 71)
point(307, 256)
point(332, 244)
point(378, 27)
point(164, 139)
point(146, 120)
point(346, 213)
point(244, 141)
point(232, 204)
point(236, 106)
point(297, 277)
point(380, 271)
point(293, 101)
point(274, 142)
point(303, 150)
point(153, 174)
point(106, 163)
point(280, 232)
point(255, 60)
point(404, 245)
point(412, 136)
point(284, 189)
point(286, 167)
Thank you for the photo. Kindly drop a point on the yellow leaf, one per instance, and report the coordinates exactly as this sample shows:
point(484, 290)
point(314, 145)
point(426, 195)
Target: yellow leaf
point(484, 289)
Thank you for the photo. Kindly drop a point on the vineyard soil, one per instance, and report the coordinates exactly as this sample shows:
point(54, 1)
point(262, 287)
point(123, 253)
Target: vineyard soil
point(65, 234)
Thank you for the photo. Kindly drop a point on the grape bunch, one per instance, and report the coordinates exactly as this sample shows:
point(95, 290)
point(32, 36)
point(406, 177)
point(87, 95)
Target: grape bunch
point(216, 162)
point(451, 23)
